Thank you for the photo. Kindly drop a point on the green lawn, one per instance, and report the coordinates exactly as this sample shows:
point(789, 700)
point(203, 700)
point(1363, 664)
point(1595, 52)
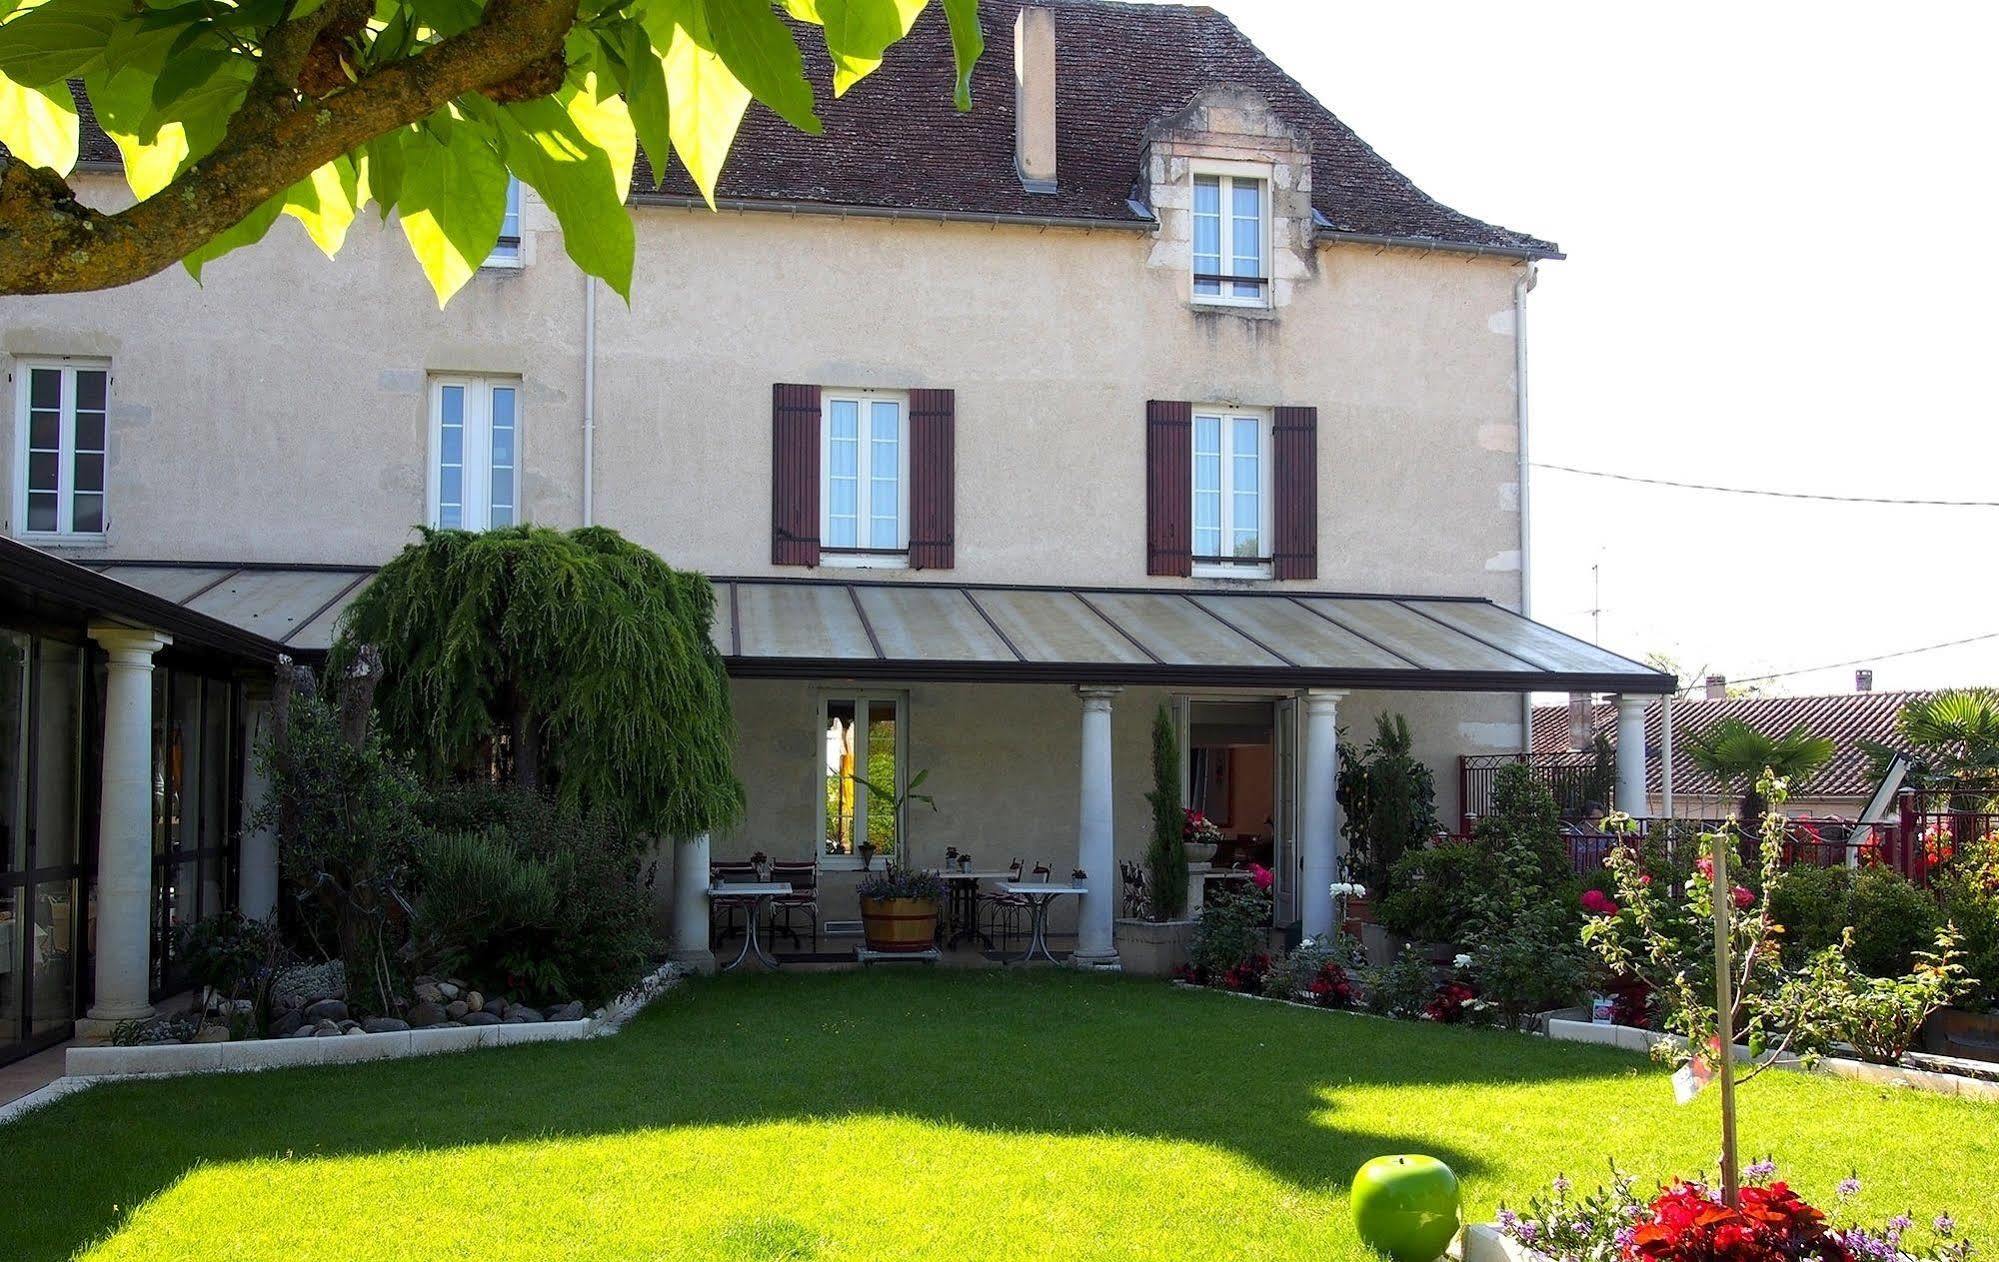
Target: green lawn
point(909, 1114)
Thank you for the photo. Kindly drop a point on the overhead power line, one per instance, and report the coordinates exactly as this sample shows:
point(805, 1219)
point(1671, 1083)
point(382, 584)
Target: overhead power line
point(1863, 661)
point(1781, 495)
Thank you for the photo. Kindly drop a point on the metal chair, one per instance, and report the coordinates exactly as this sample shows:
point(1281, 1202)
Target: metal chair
point(733, 911)
point(803, 877)
point(1004, 910)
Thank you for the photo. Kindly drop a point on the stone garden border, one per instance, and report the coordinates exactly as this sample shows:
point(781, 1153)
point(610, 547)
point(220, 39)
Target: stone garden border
point(86, 1066)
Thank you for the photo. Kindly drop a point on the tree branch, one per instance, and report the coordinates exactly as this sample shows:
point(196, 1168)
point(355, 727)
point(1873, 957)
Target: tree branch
point(52, 243)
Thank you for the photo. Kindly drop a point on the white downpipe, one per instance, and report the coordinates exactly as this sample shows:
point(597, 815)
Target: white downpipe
point(589, 400)
point(1520, 291)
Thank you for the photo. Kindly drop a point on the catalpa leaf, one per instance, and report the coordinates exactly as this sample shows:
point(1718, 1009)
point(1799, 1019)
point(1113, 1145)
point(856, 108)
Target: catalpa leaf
point(248, 231)
point(454, 198)
point(760, 52)
point(46, 44)
point(967, 43)
point(39, 127)
point(325, 202)
point(858, 32)
point(705, 99)
point(577, 152)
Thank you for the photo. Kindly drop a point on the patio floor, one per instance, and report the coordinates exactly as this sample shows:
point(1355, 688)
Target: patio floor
point(917, 1114)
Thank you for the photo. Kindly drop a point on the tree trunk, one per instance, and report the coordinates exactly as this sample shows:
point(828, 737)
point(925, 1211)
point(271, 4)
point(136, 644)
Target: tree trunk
point(527, 748)
point(357, 695)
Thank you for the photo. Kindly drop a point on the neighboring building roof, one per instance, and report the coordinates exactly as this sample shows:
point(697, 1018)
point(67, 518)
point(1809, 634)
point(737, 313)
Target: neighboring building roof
point(1846, 719)
point(895, 141)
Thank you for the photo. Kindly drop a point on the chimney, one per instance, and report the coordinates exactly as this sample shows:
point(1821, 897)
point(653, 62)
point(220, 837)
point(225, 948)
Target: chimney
point(1582, 720)
point(1034, 98)
point(1863, 681)
point(1717, 687)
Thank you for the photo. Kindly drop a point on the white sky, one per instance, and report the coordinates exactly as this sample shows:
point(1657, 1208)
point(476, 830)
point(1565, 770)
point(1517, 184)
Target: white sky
point(1783, 269)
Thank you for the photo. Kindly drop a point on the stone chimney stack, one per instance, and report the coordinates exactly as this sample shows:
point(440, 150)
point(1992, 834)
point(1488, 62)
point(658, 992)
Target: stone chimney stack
point(1717, 687)
point(1582, 720)
point(1034, 98)
point(1863, 681)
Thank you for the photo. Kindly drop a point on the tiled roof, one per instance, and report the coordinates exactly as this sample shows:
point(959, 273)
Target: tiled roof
point(896, 142)
point(1845, 719)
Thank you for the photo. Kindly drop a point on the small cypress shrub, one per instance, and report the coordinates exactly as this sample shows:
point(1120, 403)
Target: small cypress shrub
point(1165, 856)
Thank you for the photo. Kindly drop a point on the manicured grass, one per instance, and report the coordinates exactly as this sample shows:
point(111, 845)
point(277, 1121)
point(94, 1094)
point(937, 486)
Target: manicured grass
point(910, 1115)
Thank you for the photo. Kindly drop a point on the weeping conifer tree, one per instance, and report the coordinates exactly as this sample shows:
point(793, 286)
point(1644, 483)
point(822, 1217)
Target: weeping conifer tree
point(588, 653)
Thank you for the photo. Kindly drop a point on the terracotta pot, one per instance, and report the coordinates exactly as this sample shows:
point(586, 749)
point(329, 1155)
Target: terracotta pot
point(899, 925)
point(1360, 911)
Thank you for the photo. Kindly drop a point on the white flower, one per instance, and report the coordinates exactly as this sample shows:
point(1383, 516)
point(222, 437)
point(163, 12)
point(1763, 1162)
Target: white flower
point(1348, 889)
point(1462, 961)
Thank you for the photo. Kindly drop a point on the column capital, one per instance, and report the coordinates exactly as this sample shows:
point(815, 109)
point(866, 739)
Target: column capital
point(1632, 701)
point(1324, 698)
point(119, 640)
point(1098, 696)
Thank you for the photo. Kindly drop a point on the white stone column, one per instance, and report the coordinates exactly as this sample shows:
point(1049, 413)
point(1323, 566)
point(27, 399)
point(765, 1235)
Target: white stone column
point(125, 829)
point(1318, 812)
point(1096, 851)
point(1631, 756)
point(690, 904)
point(257, 862)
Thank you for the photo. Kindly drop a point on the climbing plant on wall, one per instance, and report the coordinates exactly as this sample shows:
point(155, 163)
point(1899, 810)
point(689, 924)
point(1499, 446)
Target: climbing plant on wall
point(576, 662)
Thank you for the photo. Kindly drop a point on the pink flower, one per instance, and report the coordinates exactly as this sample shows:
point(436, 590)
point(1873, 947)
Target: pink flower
point(1743, 898)
point(1261, 876)
point(1598, 903)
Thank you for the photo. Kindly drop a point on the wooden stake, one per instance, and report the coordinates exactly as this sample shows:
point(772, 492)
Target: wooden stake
point(1724, 1009)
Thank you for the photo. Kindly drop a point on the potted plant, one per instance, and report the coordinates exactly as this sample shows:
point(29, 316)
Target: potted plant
point(1199, 837)
point(899, 909)
point(867, 852)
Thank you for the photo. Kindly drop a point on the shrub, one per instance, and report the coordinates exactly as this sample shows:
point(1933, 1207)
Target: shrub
point(1401, 988)
point(1974, 909)
point(1892, 920)
point(1436, 890)
point(1810, 902)
point(1165, 856)
point(1387, 798)
point(529, 897)
point(225, 953)
point(1524, 830)
point(1530, 963)
point(1880, 1017)
point(1317, 971)
point(1232, 936)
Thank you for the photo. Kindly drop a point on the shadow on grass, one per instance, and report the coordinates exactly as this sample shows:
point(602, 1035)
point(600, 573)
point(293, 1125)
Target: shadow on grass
point(1043, 1053)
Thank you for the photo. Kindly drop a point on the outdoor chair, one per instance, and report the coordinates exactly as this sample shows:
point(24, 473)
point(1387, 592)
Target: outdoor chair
point(1003, 910)
point(732, 912)
point(803, 877)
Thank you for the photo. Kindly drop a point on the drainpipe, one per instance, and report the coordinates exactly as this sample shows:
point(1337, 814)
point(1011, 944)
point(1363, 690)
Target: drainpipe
point(589, 398)
point(1520, 289)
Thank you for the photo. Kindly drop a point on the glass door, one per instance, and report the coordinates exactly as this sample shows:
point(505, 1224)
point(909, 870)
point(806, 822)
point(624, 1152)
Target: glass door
point(1286, 871)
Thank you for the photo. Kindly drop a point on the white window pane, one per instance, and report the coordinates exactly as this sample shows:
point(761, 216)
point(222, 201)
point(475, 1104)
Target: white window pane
point(89, 472)
point(44, 430)
point(90, 389)
point(845, 415)
point(41, 510)
point(503, 407)
point(451, 445)
point(502, 516)
point(1207, 194)
point(452, 401)
point(1208, 434)
point(451, 517)
point(1208, 474)
point(503, 492)
point(451, 486)
point(89, 431)
point(42, 470)
point(841, 501)
point(87, 514)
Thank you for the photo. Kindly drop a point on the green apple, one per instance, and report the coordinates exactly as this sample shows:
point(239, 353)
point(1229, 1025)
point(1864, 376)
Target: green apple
point(1406, 1206)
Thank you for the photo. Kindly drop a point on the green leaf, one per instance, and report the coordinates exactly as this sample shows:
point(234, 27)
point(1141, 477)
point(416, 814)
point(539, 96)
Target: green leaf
point(50, 42)
point(454, 197)
point(386, 165)
point(38, 127)
point(158, 143)
point(857, 32)
point(645, 99)
point(247, 232)
point(761, 53)
point(705, 99)
point(967, 43)
point(325, 202)
point(577, 152)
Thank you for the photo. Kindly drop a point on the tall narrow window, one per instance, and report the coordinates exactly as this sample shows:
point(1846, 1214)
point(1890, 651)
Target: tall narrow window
point(1230, 218)
point(507, 250)
point(60, 417)
point(475, 438)
point(862, 744)
point(866, 492)
point(1232, 493)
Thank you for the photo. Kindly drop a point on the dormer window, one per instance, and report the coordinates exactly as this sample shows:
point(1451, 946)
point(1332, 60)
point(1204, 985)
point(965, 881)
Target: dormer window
point(1231, 236)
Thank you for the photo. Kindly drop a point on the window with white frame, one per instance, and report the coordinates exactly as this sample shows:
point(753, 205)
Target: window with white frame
point(1233, 501)
point(475, 427)
point(862, 746)
point(59, 455)
point(864, 456)
point(507, 250)
point(1231, 238)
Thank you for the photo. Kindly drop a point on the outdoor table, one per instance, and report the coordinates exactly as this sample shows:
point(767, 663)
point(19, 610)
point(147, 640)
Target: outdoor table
point(1198, 876)
point(964, 890)
point(759, 895)
point(1038, 895)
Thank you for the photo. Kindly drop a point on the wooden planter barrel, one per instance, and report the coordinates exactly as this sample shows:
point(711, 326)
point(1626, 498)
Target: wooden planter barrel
point(894, 925)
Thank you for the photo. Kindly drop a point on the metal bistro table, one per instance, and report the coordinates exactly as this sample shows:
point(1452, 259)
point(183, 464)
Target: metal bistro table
point(1038, 895)
point(758, 895)
point(964, 887)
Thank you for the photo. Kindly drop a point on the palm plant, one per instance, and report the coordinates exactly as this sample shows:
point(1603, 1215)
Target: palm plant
point(1951, 739)
point(1737, 754)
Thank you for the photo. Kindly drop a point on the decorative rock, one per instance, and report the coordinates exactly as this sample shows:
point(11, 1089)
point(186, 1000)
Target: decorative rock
point(495, 1007)
point(448, 990)
point(286, 1025)
point(384, 1025)
point(429, 992)
point(425, 1014)
point(296, 987)
point(456, 1009)
point(481, 1018)
point(571, 1011)
point(474, 1000)
point(303, 1032)
point(456, 981)
point(326, 1010)
point(324, 1032)
point(211, 1034)
point(520, 1013)
point(450, 1025)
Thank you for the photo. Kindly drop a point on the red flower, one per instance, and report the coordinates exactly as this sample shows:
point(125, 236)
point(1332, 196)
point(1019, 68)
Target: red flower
point(1772, 1225)
point(1743, 898)
point(1260, 876)
point(1598, 903)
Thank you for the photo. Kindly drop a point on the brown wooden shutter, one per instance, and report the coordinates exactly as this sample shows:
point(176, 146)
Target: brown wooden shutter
point(794, 475)
point(933, 443)
point(1295, 451)
point(1169, 487)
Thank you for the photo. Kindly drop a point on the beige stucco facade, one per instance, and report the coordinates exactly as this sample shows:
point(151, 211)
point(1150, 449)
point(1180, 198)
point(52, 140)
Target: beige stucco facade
point(279, 412)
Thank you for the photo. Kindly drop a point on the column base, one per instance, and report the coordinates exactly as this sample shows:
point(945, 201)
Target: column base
point(702, 961)
point(1105, 962)
point(100, 1024)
